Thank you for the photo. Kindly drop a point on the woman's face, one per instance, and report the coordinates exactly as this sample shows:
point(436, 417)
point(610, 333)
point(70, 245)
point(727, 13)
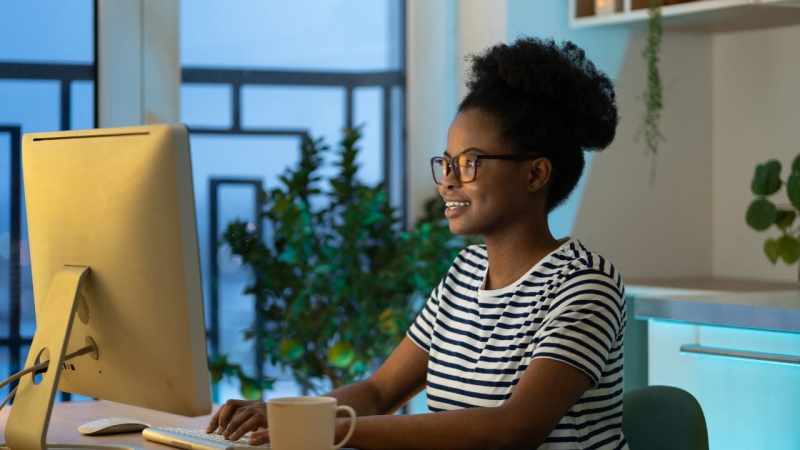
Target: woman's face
point(498, 196)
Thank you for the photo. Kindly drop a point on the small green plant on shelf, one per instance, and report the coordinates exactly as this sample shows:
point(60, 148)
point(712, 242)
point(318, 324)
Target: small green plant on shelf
point(340, 277)
point(763, 213)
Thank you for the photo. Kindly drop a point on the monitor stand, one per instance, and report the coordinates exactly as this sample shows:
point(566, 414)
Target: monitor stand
point(33, 403)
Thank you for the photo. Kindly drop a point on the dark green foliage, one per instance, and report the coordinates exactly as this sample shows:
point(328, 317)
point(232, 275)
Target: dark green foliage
point(793, 189)
point(338, 272)
point(763, 213)
point(767, 179)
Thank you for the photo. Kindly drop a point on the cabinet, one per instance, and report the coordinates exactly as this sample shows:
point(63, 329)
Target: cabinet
point(705, 15)
point(748, 403)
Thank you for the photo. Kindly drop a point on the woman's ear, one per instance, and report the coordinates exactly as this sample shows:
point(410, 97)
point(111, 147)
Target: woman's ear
point(539, 174)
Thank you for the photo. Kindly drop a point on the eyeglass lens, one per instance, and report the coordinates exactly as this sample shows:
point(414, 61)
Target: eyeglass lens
point(464, 166)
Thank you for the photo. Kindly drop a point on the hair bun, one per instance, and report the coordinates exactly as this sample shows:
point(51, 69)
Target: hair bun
point(551, 80)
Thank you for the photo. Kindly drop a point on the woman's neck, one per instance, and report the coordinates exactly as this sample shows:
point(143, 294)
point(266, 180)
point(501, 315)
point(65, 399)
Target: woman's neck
point(515, 252)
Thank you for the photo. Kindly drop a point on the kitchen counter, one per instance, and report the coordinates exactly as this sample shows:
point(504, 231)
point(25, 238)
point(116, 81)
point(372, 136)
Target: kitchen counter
point(738, 303)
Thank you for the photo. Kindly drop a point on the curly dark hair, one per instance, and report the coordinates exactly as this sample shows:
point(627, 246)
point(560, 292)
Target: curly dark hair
point(548, 99)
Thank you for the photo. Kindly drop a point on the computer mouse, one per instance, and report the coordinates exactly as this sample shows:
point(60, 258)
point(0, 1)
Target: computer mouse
point(112, 425)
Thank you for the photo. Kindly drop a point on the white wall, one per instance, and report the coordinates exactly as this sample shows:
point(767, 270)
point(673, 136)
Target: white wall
point(661, 229)
point(658, 230)
point(481, 24)
point(139, 70)
point(431, 91)
point(756, 117)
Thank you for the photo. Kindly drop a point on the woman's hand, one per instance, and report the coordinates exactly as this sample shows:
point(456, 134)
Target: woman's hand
point(259, 437)
point(237, 417)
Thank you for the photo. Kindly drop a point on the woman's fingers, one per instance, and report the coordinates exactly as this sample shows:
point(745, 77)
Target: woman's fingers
point(259, 437)
point(240, 417)
point(223, 415)
point(214, 423)
point(249, 425)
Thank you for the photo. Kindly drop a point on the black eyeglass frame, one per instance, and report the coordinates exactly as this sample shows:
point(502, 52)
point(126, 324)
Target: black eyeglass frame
point(452, 163)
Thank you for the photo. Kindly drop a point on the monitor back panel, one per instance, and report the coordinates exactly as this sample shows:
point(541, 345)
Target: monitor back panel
point(121, 202)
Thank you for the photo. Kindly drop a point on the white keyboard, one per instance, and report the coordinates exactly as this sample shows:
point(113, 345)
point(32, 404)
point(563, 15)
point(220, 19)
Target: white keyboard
point(197, 439)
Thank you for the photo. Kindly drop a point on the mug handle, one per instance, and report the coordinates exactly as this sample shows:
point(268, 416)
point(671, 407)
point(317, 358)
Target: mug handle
point(352, 414)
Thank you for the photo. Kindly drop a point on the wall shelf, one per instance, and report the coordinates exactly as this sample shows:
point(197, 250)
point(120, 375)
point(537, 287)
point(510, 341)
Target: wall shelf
point(692, 15)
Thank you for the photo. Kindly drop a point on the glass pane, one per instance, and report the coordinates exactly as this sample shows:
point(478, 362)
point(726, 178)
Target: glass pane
point(233, 156)
point(47, 30)
point(82, 105)
point(318, 110)
point(301, 34)
point(237, 310)
point(368, 112)
point(32, 103)
point(206, 105)
point(398, 186)
point(28, 319)
point(5, 369)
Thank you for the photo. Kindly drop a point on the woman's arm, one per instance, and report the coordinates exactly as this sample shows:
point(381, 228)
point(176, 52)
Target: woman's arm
point(398, 379)
point(544, 394)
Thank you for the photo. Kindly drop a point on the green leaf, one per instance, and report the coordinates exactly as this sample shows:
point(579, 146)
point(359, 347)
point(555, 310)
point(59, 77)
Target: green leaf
point(785, 218)
point(341, 355)
point(761, 214)
point(288, 256)
point(358, 368)
point(217, 367)
point(766, 180)
point(789, 249)
point(291, 349)
point(796, 164)
point(387, 322)
point(250, 388)
point(793, 189)
point(772, 250)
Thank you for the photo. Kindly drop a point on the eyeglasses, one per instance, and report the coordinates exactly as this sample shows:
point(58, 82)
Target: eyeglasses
point(465, 165)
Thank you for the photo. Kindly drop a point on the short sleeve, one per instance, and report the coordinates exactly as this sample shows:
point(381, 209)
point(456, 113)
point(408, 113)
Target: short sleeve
point(584, 323)
point(421, 330)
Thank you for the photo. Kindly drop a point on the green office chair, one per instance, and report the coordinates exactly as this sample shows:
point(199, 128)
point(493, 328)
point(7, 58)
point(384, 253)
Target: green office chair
point(663, 418)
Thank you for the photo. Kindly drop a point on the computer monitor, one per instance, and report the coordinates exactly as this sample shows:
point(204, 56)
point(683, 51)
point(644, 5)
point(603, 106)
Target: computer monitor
point(114, 254)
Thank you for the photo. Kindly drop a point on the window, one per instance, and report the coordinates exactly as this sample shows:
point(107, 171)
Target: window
point(291, 69)
point(47, 80)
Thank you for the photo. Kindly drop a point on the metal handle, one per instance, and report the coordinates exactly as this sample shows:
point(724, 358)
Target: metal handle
point(730, 353)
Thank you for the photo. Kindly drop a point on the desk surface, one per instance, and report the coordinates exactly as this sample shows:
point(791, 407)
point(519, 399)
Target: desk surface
point(69, 415)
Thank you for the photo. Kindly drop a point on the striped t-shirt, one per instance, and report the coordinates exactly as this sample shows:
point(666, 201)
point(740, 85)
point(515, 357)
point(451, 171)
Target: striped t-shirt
point(568, 307)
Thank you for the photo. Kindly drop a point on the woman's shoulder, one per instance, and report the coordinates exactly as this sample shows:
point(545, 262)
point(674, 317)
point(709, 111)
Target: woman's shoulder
point(580, 261)
point(471, 261)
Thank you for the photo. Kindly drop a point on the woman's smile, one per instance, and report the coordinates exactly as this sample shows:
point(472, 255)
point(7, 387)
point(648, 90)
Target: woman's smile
point(454, 209)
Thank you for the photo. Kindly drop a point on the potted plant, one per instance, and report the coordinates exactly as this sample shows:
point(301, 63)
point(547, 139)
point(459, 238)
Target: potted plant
point(764, 213)
point(338, 272)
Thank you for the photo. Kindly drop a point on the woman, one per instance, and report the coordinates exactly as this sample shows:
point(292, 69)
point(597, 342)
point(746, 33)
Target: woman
point(520, 344)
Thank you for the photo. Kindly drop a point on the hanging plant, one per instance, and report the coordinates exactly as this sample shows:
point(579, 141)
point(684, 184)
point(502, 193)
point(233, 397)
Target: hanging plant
point(653, 99)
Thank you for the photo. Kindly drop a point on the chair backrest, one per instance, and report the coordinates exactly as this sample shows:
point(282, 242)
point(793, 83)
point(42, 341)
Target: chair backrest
point(663, 418)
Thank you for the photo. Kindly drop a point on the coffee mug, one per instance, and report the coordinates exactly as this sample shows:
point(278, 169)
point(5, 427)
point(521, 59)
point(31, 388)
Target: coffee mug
point(305, 423)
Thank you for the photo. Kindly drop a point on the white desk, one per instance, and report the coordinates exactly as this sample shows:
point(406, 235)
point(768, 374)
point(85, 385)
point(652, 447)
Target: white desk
point(68, 416)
